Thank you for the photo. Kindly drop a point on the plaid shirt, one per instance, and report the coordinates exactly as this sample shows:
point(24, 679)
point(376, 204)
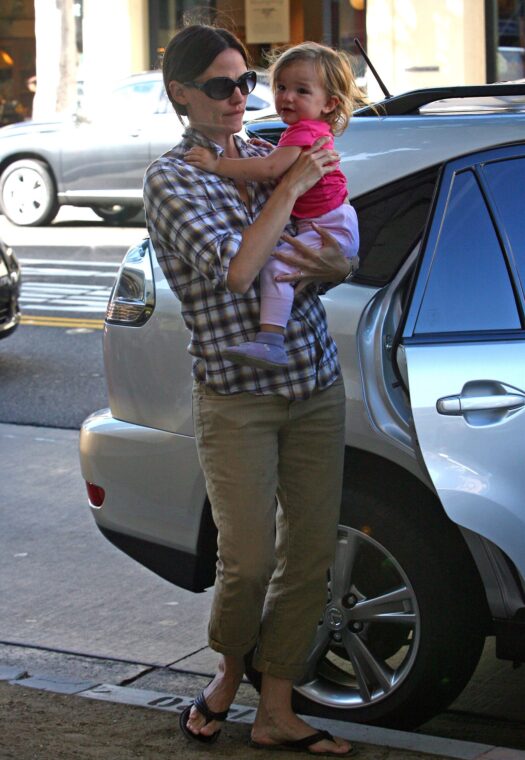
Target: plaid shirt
point(196, 221)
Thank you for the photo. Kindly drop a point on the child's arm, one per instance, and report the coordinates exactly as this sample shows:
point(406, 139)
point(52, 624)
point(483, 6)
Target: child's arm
point(258, 169)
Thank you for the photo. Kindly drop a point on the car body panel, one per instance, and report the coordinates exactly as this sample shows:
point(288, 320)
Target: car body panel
point(105, 159)
point(469, 413)
point(141, 456)
point(476, 463)
point(133, 361)
point(376, 150)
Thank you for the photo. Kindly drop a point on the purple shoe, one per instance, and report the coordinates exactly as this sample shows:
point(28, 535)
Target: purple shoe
point(265, 352)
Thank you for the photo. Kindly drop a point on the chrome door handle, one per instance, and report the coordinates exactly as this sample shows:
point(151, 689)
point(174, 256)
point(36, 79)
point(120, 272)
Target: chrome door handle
point(461, 404)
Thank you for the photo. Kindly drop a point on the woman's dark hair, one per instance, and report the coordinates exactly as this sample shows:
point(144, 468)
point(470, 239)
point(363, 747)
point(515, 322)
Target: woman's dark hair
point(191, 51)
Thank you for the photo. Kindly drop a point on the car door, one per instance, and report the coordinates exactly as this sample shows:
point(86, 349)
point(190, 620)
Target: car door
point(166, 129)
point(464, 344)
point(110, 152)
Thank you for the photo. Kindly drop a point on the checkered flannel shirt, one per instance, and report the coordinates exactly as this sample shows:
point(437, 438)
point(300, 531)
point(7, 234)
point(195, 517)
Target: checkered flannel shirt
point(196, 220)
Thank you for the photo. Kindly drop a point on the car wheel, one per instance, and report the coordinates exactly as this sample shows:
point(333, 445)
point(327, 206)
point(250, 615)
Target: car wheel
point(405, 620)
point(28, 194)
point(116, 214)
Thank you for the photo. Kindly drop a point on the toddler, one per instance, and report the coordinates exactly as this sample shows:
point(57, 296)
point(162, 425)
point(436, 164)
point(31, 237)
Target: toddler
point(315, 93)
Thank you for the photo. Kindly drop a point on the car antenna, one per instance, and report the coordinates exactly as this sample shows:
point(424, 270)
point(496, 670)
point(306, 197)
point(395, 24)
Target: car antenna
point(372, 68)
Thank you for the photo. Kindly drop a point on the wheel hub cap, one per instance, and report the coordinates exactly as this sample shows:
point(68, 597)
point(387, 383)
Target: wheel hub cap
point(334, 618)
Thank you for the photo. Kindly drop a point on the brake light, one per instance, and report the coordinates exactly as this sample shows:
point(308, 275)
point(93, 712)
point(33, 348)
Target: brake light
point(132, 299)
point(96, 494)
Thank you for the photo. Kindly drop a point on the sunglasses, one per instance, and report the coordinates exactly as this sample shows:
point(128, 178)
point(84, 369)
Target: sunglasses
point(221, 88)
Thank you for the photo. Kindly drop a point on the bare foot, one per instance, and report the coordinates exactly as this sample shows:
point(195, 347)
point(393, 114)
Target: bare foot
point(268, 730)
point(219, 695)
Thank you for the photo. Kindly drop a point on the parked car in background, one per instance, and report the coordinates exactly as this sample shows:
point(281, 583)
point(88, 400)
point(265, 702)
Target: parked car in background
point(431, 335)
point(96, 158)
point(9, 290)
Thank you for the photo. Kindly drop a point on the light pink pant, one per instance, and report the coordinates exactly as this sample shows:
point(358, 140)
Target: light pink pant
point(277, 297)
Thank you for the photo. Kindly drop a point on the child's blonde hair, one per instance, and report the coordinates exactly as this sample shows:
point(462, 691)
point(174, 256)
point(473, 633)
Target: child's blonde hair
point(335, 74)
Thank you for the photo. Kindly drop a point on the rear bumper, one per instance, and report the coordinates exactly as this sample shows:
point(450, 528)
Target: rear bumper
point(155, 507)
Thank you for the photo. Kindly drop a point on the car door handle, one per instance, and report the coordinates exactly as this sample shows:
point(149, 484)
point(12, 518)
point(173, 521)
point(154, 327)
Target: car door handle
point(461, 404)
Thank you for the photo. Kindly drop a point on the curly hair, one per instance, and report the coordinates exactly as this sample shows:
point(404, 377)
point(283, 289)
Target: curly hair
point(335, 73)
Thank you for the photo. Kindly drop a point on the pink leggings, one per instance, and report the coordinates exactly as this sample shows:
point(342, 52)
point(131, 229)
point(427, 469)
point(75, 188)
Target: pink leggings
point(277, 297)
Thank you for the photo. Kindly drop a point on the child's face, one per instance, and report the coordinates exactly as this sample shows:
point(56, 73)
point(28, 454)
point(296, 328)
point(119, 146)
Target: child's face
point(300, 95)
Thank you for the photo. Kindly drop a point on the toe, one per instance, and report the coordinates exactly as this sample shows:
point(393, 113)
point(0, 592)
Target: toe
point(334, 745)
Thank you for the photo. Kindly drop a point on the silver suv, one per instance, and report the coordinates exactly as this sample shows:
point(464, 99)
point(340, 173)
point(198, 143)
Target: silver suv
point(431, 335)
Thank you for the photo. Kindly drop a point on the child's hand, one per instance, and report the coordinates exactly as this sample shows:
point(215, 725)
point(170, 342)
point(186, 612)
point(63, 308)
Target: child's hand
point(259, 142)
point(202, 158)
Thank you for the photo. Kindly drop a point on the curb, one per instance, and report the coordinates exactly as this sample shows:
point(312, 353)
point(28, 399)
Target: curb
point(383, 737)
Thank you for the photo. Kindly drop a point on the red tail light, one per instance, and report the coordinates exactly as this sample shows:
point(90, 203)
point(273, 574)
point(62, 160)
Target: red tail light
point(96, 494)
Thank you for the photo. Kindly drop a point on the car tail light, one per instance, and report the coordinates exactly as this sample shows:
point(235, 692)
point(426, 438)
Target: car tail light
point(96, 494)
point(132, 299)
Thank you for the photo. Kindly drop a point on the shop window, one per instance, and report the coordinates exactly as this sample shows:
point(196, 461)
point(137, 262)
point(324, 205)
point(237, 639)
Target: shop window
point(510, 58)
point(348, 22)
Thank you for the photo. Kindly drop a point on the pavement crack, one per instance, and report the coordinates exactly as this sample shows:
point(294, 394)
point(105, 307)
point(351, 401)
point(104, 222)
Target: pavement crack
point(137, 676)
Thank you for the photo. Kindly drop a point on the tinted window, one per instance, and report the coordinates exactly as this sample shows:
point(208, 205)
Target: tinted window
point(255, 102)
point(507, 182)
point(468, 287)
point(391, 221)
point(134, 98)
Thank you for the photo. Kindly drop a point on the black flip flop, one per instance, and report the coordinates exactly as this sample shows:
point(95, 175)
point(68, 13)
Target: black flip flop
point(301, 745)
point(202, 707)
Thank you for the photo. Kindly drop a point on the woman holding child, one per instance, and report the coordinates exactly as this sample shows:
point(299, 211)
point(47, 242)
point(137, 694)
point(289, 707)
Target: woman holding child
point(263, 432)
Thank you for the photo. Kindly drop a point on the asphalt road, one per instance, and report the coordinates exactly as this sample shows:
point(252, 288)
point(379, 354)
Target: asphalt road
point(51, 367)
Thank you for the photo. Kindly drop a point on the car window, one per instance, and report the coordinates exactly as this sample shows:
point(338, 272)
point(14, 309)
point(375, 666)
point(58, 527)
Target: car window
point(506, 180)
point(391, 221)
point(255, 102)
point(135, 99)
point(468, 288)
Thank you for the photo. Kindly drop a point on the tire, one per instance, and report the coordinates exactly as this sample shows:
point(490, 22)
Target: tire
point(419, 652)
point(28, 194)
point(116, 214)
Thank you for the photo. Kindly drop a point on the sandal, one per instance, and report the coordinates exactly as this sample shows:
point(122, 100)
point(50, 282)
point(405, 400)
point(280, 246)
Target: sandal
point(302, 745)
point(202, 707)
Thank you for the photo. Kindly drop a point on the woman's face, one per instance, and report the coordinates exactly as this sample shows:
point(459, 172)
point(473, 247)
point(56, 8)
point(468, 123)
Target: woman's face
point(218, 119)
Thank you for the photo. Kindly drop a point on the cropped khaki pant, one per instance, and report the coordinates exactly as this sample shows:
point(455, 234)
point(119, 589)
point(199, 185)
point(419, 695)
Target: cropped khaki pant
point(273, 559)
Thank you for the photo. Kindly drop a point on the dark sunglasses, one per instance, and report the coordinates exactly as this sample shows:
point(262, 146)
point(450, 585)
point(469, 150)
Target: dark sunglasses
point(221, 88)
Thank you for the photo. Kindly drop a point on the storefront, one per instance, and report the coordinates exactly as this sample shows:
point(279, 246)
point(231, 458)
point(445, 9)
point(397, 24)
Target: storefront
point(412, 43)
point(262, 24)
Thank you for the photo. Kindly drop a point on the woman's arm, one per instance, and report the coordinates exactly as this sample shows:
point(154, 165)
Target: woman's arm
point(257, 169)
point(260, 238)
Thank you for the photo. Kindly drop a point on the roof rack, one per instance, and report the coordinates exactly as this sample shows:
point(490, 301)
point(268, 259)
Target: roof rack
point(410, 102)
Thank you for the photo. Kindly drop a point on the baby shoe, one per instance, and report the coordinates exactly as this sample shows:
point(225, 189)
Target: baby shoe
point(265, 352)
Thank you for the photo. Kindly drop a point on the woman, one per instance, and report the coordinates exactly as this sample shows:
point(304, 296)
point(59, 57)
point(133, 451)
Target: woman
point(260, 433)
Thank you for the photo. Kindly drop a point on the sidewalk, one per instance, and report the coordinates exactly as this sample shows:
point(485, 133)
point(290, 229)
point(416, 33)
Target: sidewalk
point(82, 708)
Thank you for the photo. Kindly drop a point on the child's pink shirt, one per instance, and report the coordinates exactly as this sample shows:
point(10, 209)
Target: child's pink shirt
point(331, 190)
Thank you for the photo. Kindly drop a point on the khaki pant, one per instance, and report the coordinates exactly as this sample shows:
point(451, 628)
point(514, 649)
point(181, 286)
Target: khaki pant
point(270, 586)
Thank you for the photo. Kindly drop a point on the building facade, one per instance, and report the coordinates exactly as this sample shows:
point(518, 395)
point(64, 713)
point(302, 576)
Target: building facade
point(412, 43)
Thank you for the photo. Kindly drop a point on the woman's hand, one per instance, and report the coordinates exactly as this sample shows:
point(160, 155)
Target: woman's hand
point(327, 264)
point(311, 165)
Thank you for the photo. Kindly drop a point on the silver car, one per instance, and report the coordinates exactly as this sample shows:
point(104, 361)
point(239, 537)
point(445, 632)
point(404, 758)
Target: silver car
point(96, 158)
point(431, 336)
